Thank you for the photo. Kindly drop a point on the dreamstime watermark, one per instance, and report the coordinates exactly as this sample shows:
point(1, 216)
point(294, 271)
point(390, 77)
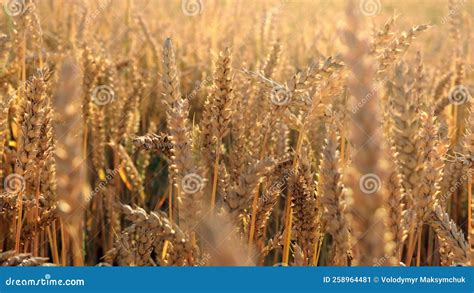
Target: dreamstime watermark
point(467, 161)
point(14, 7)
point(280, 96)
point(470, 67)
point(45, 281)
point(280, 264)
point(192, 183)
point(370, 7)
point(456, 185)
point(204, 260)
point(454, 11)
point(370, 183)
point(151, 145)
point(199, 85)
point(14, 183)
point(367, 97)
point(278, 186)
point(103, 5)
point(42, 73)
point(459, 95)
point(103, 95)
point(110, 175)
point(273, 11)
point(381, 261)
point(192, 7)
point(458, 157)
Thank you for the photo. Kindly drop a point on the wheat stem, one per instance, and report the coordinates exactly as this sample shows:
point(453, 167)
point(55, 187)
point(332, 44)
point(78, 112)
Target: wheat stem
point(418, 254)
point(214, 182)
point(288, 213)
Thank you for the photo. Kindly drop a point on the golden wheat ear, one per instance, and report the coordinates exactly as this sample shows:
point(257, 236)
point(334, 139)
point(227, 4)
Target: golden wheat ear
point(453, 246)
point(332, 200)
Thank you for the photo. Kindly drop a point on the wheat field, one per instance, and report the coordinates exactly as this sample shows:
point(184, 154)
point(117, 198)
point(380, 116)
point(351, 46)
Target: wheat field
point(236, 133)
